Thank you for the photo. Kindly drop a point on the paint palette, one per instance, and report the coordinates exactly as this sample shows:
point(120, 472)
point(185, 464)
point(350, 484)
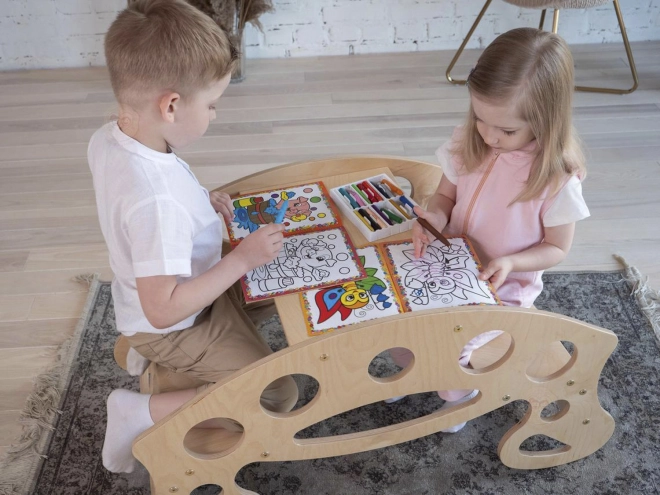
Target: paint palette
point(376, 205)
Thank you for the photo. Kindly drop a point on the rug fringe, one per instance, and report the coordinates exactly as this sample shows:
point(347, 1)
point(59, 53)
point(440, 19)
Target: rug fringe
point(20, 463)
point(647, 298)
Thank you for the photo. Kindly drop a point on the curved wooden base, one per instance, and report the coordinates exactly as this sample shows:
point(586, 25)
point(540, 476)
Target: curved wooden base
point(340, 360)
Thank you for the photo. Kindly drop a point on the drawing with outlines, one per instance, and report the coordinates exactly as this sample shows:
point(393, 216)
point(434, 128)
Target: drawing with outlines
point(443, 277)
point(308, 209)
point(355, 301)
point(315, 259)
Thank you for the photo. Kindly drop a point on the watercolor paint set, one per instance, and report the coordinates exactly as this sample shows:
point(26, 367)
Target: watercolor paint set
point(376, 205)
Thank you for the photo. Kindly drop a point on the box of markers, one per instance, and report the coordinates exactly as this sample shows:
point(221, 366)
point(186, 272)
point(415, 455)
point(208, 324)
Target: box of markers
point(376, 205)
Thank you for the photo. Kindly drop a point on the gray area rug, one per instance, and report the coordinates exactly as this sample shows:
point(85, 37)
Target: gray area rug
point(463, 463)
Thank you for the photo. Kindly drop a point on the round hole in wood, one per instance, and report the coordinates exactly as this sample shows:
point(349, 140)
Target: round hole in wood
point(552, 361)
point(555, 410)
point(389, 364)
point(289, 393)
point(494, 348)
point(213, 438)
point(210, 488)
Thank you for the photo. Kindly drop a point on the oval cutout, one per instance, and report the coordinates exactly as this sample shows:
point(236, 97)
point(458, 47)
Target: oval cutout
point(389, 364)
point(544, 444)
point(555, 410)
point(213, 438)
point(486, 351)
point(304, 393)
point(552, 361)
point(207, 489)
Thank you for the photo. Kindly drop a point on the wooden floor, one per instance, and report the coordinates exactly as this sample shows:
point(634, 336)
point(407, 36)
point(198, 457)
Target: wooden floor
point(286, 110)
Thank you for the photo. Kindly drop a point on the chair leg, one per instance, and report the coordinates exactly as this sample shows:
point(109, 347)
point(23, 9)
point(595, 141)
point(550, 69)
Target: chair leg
point(465, 42)
point(555, 21)
point(631, 61)
point(542, 21)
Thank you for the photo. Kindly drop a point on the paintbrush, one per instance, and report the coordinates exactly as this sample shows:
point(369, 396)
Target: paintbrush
point(433, 231)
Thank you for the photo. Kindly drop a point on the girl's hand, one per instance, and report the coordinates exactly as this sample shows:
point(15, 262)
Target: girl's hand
point(261, 246)
point(222, 204)
point(422, 237)
point(497, 271)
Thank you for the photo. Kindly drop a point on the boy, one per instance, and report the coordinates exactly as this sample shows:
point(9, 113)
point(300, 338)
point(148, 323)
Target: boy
point(176, 299)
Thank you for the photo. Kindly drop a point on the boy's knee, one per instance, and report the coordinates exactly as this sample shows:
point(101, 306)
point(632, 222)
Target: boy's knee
point(281, 395)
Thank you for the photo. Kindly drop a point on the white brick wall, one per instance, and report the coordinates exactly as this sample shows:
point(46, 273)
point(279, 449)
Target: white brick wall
point(69, 33)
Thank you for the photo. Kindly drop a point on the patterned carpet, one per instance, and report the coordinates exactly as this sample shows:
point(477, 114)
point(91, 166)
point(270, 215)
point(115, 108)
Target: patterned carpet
point(463, 463)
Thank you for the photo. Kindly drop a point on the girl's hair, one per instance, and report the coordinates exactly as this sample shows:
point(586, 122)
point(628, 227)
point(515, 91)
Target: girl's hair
point(165, 44)
point(533, 70)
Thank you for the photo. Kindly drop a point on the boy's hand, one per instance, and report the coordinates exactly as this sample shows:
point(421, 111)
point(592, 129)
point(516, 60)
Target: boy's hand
point(497, 271)
point(222, 204)
point(422, 237)
point(261, 246)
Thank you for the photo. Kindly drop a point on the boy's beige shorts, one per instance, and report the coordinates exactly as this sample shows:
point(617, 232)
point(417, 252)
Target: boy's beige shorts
point(223, 339)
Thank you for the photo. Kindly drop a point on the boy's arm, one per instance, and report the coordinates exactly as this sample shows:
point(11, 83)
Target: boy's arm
point(550, 252)
point(166, 303)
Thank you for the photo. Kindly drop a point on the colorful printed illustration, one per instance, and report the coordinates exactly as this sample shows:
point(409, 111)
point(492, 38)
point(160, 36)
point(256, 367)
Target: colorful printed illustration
point(315, 259)
point(308, 209)
point(352, 302)
point(352, 296)
point(444, 276)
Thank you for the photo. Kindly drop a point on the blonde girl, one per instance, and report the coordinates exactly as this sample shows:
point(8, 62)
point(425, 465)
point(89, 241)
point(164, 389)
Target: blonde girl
point(512, 174)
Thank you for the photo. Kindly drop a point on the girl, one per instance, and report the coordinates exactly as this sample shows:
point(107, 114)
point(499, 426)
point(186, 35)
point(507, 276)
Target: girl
point(511, 175)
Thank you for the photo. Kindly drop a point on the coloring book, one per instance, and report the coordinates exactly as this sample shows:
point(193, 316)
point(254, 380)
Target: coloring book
point(397, 282)
point(316, 251)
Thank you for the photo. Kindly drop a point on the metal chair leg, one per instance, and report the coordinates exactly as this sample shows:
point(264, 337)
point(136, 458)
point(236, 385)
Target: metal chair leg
point(542, 19)
point(462, 47)
point(631, 61)
point(555, 21)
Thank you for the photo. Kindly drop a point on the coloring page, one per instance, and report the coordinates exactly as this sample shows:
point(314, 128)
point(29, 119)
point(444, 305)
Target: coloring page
point(308, 208)
point(443, 277)
point(314, 259)
point(352, 302)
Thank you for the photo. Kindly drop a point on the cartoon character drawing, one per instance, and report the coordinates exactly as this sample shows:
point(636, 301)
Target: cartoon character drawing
point(252, 212)
point(297, 261)
point(351, 296)
point(299, 209)
point(441, 274)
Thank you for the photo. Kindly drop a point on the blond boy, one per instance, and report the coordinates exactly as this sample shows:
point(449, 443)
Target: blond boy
point(176, 298)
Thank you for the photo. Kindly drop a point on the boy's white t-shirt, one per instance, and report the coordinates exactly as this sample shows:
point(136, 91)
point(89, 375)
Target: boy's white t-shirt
point(156, 219)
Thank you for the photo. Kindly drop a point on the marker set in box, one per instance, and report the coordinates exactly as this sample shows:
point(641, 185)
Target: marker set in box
point(376, 205)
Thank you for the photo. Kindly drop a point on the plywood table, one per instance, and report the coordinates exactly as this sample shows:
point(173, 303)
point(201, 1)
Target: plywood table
point(528, 362)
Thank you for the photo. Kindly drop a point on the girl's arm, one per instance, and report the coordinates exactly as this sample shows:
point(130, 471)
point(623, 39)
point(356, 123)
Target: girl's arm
point(438, 213)
point(552, 250)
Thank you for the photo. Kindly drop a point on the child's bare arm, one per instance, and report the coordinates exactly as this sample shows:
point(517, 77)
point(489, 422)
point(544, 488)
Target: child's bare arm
point(165, 303)
point(550, 252)
point(438, 212)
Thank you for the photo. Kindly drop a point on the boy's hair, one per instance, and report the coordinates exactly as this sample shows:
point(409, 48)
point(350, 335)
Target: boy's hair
point(532, 69)
point(165, 44)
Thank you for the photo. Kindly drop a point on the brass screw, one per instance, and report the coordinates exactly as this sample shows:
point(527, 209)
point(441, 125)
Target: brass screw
point(506, 397)
point(570, 383)
point(265, 454)
point(324, 357)
point(586, 421)
point(458, 328)
point(190, 472)
point(583, 391)
point(174, 489)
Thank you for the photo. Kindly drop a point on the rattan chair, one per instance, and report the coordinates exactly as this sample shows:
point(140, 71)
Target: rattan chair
point(557, 5)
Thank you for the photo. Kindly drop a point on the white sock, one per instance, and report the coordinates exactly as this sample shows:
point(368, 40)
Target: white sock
point(452, 403)
point(136, 363)
point(128, 416)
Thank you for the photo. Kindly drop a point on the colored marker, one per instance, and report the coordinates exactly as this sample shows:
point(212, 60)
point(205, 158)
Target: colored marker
point(393, 187)
point(364, 220)
point(394, 218)
point(361, 194)
point(371, 192)
point(279, 218)
point(368, 218)
point(349, 198)
point(401, 209)
point(409, 203)
point(386, 188)
point(377, 218)
point(381, 191)
point(384, 217)
point(356, 197)
point(366, 192)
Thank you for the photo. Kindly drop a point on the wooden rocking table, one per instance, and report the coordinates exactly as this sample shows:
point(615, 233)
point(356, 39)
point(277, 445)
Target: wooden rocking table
point(527, 362)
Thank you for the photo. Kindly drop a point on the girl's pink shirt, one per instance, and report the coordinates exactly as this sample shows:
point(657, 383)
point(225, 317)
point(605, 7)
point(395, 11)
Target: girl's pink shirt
point(496, 227)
